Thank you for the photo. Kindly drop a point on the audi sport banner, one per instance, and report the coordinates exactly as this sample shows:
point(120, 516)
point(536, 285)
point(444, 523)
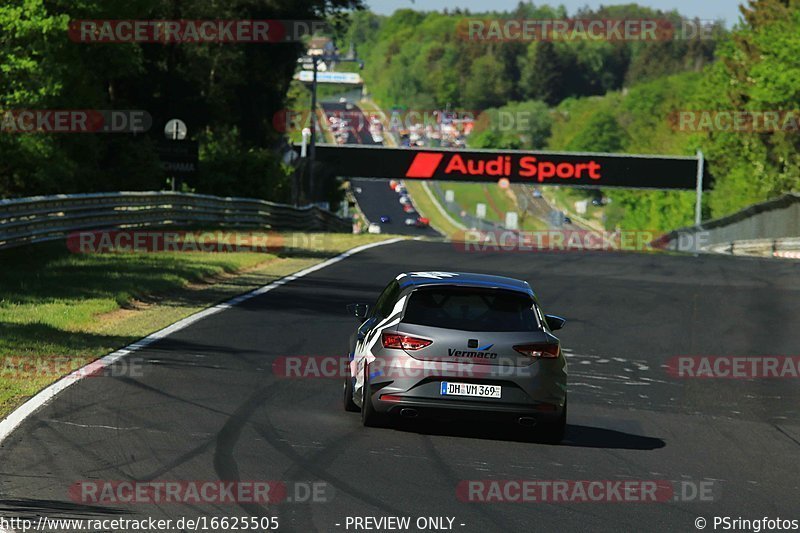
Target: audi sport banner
point(544, 168)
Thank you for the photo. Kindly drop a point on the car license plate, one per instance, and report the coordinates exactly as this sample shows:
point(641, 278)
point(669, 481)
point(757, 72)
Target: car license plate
point(470, 389)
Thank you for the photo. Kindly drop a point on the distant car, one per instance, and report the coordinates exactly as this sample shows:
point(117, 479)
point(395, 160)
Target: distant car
point(393, 184)
point(405, 200)
point(374, 228)
point(408, 208)
point(567, 220)
point(385, 219)
point(423, 222)
point(410, 222)
point(537, 193)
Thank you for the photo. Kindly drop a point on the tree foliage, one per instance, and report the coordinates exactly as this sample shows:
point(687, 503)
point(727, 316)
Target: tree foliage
point(226, 93)
point(427, 59)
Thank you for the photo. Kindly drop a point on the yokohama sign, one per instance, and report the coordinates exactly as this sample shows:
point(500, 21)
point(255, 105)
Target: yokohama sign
point(545, 168)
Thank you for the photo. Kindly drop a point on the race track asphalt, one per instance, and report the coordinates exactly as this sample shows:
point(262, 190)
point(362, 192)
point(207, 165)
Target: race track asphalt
point(207, 405)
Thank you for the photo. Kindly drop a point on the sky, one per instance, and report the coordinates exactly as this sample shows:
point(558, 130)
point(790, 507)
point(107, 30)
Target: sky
point(703, 9)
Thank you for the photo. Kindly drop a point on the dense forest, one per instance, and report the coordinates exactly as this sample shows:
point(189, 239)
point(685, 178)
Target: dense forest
point(226, 93)
point(618, 96)
point(607, 96)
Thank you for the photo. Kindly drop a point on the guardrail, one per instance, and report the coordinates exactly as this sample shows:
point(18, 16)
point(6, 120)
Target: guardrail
point(787, 248)
point(774, 220)
point(43, 218)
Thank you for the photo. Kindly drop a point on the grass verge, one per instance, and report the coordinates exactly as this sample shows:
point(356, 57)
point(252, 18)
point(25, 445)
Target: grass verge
point(61, 310)
point(426, 207)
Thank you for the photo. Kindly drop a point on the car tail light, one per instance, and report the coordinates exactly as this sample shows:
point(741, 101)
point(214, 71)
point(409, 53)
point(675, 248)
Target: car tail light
point(391, 398)
point(539, 350)
point(404, 342)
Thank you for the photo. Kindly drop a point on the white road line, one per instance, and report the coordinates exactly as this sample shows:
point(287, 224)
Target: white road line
point(12, 421)
point(441, 209)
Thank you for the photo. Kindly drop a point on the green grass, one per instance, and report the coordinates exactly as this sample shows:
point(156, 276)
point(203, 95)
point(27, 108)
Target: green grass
point(426, 208)
point(564, 198)
point(62, 310)
point(498, 202)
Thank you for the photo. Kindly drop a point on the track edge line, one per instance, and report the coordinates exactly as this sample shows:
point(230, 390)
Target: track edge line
point(46, 395)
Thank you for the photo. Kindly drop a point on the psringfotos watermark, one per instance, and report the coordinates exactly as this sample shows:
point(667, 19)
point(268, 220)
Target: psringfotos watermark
point(734, 367)
point(216, 492)
point(755, 525)
point(75, 121)
point(193, 31)
point(586, 491)
point(218, 241)
point(578, 29)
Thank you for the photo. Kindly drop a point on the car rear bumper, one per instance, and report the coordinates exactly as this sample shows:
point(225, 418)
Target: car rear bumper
point(455, 409)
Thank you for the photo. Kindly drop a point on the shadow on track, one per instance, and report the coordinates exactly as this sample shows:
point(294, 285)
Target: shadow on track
point(576, 436)
point(33, 508)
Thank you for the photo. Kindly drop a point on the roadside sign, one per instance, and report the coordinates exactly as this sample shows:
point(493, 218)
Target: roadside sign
point(535, 168)
point(343, 78)
point(175, 130)
point(178, 158)
point(512, 221)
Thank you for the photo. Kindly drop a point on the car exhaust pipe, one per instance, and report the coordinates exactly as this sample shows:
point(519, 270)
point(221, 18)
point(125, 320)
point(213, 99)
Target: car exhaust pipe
point(526, 421)
point(409, 413)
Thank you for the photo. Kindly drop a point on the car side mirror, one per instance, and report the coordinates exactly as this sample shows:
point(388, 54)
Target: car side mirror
point(554, 322)
point(358, 310)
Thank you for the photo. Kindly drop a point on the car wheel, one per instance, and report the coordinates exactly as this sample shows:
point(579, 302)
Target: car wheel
point(553, 432)
point(349, 404)
point(369, 417)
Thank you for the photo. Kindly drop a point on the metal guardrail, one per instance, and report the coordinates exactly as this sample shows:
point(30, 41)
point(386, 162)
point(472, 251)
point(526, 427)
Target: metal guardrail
point(787, 248)
point(774, 220)
point(44, 218)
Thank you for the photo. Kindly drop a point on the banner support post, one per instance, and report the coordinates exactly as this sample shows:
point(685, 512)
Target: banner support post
point(698, 206)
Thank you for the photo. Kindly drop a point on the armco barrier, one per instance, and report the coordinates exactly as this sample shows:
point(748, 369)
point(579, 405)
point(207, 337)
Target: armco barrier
point(43, 218)
point(786, 248)
point(769, 228)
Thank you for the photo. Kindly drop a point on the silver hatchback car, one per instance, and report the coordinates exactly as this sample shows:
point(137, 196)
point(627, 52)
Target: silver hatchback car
point(458, 345)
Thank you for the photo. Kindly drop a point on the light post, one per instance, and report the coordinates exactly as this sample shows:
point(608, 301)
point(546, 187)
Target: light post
point(312, 147)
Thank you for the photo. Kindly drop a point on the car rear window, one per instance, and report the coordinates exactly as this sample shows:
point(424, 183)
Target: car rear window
point(471, 309)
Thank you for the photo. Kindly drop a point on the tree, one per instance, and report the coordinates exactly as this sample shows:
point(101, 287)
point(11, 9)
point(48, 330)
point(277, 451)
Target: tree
point(757, 71)
point(223, 91)
point(486, 86)
point(601, 134)
point(517, 126)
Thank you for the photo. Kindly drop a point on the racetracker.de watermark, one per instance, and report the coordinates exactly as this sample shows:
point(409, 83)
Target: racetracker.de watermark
point(741, 121)
point(293, 120)
point(75, 121)
point(568, 240)
point(193, 31)
point(57, 366)
point(586, 491)
point(734, 367)
point(114, 492)
point(338, 367)
point(149, 241)
point(572, 30)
